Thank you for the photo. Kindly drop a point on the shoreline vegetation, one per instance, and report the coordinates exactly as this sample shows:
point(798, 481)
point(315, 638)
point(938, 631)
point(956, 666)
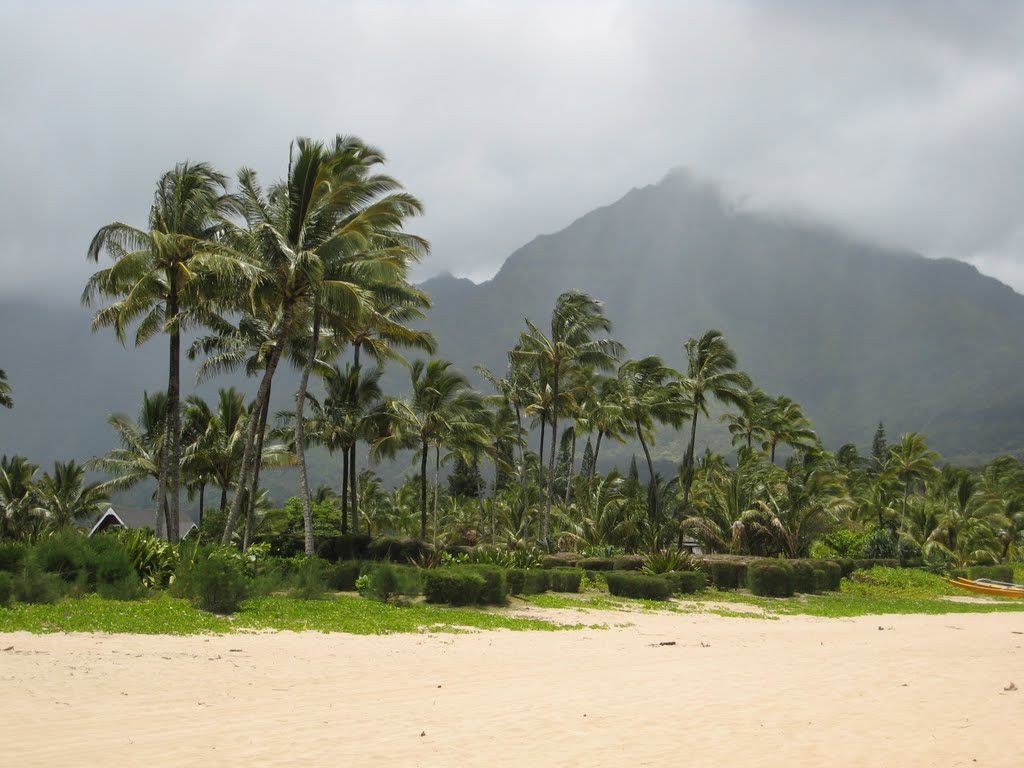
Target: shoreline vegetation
point(505, 495)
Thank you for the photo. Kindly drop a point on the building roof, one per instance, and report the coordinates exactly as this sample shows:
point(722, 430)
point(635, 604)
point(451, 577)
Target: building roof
point(139, 517)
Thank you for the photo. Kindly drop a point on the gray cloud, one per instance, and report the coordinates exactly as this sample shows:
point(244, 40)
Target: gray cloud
point(902, 121)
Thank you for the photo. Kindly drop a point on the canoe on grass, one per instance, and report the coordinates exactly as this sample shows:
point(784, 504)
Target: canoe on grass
point(989, 588)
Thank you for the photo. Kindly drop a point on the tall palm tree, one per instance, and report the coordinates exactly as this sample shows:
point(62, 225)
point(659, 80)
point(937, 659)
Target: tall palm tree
point(6, 401)
point(303, 231)
point(440, 405)
point(569, 347)
point(710, 375)
point(785, 423)
point(750, 423)
point(18, 509)
point(913, 463)
point(66, 498)
point(645, 399)
point(158, 278)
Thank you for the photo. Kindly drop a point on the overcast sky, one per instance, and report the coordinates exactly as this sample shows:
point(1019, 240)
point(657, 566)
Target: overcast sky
point(901, 121)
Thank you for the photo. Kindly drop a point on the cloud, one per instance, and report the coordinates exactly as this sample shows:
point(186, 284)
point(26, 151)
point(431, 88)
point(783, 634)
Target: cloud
point(899, 121)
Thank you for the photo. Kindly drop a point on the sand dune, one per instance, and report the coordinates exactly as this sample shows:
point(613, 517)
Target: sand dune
point(874, 691)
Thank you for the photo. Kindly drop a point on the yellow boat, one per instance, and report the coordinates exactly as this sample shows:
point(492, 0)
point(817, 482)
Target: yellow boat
point(986, 587)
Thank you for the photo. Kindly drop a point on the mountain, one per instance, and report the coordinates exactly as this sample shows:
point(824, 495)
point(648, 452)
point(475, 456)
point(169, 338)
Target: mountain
point(855, 332)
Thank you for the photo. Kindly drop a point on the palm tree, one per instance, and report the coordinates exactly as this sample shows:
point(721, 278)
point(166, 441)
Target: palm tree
point(18, 510)
point(571, 346)
point(65, 498)
point(158, 280)
point(440, 405)
point(785, 423)
point(751, 422)
point(219, 438)
point(6, 401)
point(710, 374)
point(138, 458)
point(304, 232)
point(645, 399)
point(913, 462)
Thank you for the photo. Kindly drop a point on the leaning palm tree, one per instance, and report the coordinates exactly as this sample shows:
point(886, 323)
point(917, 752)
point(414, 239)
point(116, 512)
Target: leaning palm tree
point(645, 399)
point(913, 462)
point(710, 374)
point(303, 232)
point(6, 401)
point(569, 347)
point(160, 279)
point(440, 405)
point(750, 423)
point(786, 424)
point(65, 498)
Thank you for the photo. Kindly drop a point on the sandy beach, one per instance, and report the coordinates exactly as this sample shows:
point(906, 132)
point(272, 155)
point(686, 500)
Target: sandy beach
point(667, 689)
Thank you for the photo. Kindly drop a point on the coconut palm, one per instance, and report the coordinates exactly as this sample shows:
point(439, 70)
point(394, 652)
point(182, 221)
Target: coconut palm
point(440, 405)
point(710, 375)
point(19, 513)
point(303, 232)
point(913, 462)
point(568, 348)
point(65, 498)
point(161, 279)
point(750, 423)
point(645, 398)
point(786, 424)
point(6, 401)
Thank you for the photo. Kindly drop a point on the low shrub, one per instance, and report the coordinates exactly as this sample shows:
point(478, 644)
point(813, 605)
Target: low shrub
point(347, 546)
point(867, 563)
point(803, 576)
point(341, 576)
point(495, 590)
point(628, 563)
point(65, 555)
point(12, 557)
point(110, 564)
point(564, 579)
point(213, 578)
point(386, 580)
point(594, 564)
point(771, 579)
point(833, 575)
point(685, 582)
point(563, 560)
point(537, 581)
point(405, 550)
point(992, 572)
point(129, 587)
point(668, 560)
point(727, 574)
point(637, 585)
point(6, 589)
point(516, 578)
point(35, 586)
point(455, 586)
point(309, 581)
point(846, 567)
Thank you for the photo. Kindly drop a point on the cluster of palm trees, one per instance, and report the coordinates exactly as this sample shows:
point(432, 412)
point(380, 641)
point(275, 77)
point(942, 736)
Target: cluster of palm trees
point(32, 504)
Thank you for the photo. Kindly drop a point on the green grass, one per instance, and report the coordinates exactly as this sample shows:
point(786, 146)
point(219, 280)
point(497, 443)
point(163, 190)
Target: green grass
point(165, 615)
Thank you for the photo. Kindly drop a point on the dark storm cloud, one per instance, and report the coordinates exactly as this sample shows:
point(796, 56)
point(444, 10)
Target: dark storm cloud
point(903, 122)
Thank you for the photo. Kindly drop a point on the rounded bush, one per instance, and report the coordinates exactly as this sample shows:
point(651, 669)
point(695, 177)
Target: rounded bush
point(771, 580)
point(630, 584)
point(685, 582)
point(454, 586)
point(565, 579)
point(728, 574)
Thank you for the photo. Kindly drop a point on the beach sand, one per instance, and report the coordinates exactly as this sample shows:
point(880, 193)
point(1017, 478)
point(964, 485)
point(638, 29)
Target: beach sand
point(799, 691)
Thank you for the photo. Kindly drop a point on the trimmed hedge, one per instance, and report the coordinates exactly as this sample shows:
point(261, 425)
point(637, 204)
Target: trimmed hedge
point(560, 560)
point(685, 582)
point(455, 586)
point(626, 563)
point(398, 550)
point(771, 579)
point(6, 589)
point(564, 579)
point(495, 590)
point(630, 584)
point(803, 576)
point(833, 574)
point(596, 564)
point(992, 572)
point(728, 574)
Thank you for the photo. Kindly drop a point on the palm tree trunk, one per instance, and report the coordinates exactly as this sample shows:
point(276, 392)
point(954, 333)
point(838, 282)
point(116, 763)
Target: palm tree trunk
point(521, 439)
point(300, 435)
point(480, 495)
point(423, 491)
point(688, 476)
point(250, 501)
point(174, 418)
point(597, 452)
point(262, 396)
point(568, 475)
point(906, 495)
point(773, 453)
point(494, 504)
point(224, 499)
point(344, 490)
point(437, 472)
point(551, 459)
point(652, 491)
point(353, 478)
point(162, 515)
point(202, 502)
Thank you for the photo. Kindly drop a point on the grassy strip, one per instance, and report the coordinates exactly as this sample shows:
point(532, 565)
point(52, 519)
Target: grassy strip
point(163, 615)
